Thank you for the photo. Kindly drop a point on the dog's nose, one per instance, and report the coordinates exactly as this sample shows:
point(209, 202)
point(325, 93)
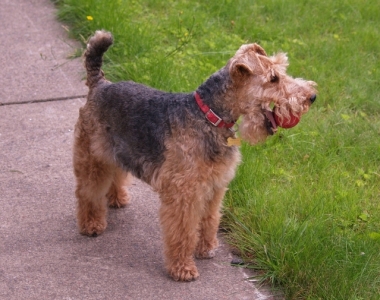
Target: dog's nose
point(313, 98)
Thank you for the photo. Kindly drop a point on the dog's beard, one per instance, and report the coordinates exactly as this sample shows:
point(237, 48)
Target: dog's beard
point(255, 128)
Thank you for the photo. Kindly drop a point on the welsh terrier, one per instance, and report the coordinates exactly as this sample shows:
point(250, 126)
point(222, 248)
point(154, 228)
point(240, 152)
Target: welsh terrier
point(182, 144)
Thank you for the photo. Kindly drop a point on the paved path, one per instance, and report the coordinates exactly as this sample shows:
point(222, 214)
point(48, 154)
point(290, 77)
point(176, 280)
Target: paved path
point(42, 255)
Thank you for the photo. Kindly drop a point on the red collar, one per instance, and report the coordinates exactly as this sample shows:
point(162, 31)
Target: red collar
point(212, 117)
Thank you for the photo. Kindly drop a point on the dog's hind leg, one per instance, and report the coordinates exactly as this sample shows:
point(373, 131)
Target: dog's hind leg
point(92, 186)
point(117, 194)
point(94, 177)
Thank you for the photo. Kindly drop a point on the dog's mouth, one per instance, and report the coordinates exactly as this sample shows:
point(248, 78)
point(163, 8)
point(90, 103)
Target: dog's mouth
point(270, 122)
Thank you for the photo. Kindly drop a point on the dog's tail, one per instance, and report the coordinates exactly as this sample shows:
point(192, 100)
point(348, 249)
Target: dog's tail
point(97, 45)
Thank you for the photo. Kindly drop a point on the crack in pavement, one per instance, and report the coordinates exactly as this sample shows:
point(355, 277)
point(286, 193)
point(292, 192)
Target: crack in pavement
point(42, 100)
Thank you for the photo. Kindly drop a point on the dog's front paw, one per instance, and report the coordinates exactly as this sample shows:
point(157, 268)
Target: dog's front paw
point(93, 228)
point(184, 272)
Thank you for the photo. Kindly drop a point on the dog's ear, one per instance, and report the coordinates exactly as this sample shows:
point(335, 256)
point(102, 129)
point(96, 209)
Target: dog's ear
point(258, 49)
point(247, 48)
point(245, 61)
point(239, 71)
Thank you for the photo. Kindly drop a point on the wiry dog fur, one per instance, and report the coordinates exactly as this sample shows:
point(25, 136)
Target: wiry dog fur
point(164, 139)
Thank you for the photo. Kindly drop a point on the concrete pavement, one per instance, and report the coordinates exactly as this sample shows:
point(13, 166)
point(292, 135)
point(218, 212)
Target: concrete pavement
point(42, 255)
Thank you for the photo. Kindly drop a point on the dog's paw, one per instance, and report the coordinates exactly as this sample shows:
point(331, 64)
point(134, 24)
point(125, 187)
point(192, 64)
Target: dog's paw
point(206, 249)
point(205, 254)
point(184, 272)
point(117, 199)
point(117, 202)
point(93, 228)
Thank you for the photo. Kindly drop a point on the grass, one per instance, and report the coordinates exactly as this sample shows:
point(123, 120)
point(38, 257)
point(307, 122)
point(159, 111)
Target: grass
point(304, 207)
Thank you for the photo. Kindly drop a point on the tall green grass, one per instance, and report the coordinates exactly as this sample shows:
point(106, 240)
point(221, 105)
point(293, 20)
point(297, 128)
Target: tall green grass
point(304, 207)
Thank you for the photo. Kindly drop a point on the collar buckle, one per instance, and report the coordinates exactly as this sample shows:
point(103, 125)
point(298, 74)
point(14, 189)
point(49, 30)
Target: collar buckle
point(211, 116)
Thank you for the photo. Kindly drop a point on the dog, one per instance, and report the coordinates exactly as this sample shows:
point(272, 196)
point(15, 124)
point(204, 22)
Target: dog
point(183, 144)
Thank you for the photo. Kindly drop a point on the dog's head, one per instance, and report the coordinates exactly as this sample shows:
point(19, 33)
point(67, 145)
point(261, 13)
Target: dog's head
point(260, 84)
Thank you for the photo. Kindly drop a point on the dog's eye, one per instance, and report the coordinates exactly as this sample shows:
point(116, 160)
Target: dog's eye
point(274, 78)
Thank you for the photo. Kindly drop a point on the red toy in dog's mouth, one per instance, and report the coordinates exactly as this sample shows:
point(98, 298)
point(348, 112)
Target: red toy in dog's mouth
point(276, 121)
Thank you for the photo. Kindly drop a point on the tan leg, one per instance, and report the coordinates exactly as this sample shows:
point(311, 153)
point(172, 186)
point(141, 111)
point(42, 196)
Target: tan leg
point(93, 181)
point(117, 194)
point(93, 174)
point(179, 217)
point(186, 185)
point(208, 240)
